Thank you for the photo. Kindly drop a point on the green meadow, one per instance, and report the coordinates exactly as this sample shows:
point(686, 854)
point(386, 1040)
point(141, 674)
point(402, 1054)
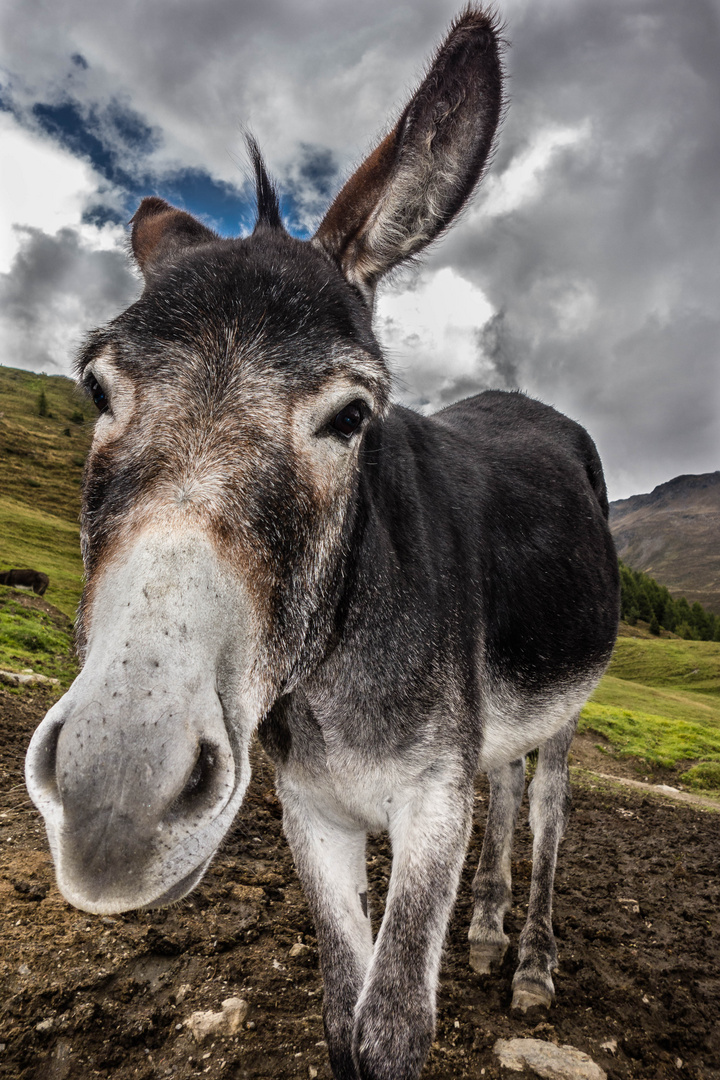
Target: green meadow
point(659, 703)
point(34, 639)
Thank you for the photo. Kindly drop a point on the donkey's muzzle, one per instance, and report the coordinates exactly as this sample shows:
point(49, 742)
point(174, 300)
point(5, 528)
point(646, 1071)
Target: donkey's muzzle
point(134, 806)
point(140, 768)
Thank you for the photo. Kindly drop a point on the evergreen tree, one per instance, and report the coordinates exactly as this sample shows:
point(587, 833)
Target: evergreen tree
point(668, 619)
point(700, 621)
point(642, 598)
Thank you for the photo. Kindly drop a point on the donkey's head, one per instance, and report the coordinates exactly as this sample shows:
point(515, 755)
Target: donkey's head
point(220, 491)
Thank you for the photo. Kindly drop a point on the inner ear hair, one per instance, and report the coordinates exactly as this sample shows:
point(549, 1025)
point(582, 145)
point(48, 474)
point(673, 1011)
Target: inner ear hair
point(160, 231)
point(420, 176)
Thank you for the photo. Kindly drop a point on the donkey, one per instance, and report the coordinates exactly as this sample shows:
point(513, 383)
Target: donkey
point(26, 579)
point(392, 601)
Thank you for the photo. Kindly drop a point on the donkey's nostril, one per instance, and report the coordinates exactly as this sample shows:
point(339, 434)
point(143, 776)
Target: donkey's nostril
point(44, 773)
point(200, 785)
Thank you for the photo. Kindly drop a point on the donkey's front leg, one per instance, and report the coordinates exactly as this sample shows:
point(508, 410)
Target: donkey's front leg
point(330, 859)
point(549, 807)
point(395, 1016)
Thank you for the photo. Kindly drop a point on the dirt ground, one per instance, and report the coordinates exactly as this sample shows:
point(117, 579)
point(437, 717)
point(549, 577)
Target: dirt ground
point(636, 915)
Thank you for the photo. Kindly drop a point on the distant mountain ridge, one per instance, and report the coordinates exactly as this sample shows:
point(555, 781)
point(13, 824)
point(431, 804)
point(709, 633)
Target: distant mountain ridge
point(673, 534)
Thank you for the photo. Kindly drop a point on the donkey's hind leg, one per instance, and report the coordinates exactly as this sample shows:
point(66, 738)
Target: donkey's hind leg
point(492, 886)
point(549, 807)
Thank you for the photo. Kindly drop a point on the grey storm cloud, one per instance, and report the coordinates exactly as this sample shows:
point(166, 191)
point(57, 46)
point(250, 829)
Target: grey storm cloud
point(57, 287)
point(603, 276)
point(608, 281)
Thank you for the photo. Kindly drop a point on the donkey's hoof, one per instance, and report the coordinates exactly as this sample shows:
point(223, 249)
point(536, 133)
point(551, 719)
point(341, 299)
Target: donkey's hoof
point(486, 954)
point(533, 996)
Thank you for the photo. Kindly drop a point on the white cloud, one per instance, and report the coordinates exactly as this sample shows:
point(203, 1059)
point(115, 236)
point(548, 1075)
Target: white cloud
point(430, 329)
point(41, 186)
point(522, 181)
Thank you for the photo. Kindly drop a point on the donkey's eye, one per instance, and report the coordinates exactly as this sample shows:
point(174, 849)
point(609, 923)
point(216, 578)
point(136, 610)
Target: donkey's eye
point(348, 419)
point(96, 393)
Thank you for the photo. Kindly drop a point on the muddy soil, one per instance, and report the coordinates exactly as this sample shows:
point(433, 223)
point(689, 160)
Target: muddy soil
point(636, 916)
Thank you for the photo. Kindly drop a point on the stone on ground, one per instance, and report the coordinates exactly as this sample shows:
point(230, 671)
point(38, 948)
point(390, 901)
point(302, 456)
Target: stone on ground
point(221, 1024)
point(547, 1060)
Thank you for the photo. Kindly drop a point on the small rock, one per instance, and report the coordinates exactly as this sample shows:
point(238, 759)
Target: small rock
point(218, 1024)
point(23, 970)
point(610, 1046)
point(26, 678)
point(312, 1072)
point(45, 1025)
point(630, 904)
point(182, 992)
point(547, 1060)
point(299, 949)
point(678, 1063)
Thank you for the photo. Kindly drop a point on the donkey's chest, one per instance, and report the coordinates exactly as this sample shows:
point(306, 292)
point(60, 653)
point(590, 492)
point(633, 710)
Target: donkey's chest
point(365, 791)
point(363, 765)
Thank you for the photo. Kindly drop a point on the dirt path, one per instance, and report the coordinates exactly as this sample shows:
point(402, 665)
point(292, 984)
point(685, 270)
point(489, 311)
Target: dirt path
point(636, 915)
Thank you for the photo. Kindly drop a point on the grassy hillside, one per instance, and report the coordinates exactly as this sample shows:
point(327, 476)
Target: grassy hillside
point(35, 636)
point(660, 703)
point(42, 459)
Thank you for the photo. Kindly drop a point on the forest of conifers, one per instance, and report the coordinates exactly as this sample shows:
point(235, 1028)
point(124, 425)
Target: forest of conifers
point(642, 598)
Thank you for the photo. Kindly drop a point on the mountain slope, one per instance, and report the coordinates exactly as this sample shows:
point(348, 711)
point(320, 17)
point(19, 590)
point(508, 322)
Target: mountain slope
point(673, 533)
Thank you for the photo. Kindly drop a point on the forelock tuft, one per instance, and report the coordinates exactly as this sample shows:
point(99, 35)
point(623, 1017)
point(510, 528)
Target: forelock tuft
point(268, 205)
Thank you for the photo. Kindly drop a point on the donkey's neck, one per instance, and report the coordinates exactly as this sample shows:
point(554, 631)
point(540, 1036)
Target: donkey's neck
point(403, 590)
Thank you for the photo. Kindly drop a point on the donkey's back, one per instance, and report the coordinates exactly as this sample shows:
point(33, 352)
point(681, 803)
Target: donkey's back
point(549, 577)
point(497, 508)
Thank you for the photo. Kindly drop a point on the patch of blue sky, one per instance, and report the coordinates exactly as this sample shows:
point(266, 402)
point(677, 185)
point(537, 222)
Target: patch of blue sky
point(223, 207)
point(118, 142)
point(308, 189)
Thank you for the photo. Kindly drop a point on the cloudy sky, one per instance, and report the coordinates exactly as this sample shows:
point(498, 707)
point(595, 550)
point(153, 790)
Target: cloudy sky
point(585, 271)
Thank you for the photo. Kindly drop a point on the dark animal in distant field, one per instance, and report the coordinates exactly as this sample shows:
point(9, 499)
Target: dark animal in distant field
point(28, 579)
point(393, 601)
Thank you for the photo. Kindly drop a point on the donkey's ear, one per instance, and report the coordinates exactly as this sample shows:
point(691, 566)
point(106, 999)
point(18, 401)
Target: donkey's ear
point(159, 232)
point(420, 176)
